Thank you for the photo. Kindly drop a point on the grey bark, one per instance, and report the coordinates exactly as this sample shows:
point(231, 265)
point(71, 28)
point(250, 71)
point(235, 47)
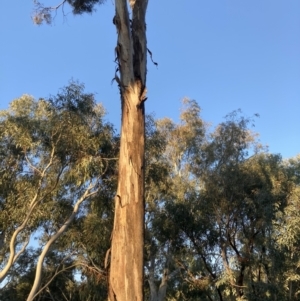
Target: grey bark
point(63, 228)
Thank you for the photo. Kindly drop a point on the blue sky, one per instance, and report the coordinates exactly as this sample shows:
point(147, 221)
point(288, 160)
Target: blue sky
point(226, 54)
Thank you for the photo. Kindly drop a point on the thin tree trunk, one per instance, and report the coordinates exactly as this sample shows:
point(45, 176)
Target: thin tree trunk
point(290, 291)
point(127, 260)
point(53, 239)
point(159, 294)
point(151, 280)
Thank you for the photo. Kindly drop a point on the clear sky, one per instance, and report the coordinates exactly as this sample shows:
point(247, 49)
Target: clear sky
point(226, 54)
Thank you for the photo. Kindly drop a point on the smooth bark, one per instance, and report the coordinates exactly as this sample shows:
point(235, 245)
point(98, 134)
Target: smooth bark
point(33, 204)
point(53, 239)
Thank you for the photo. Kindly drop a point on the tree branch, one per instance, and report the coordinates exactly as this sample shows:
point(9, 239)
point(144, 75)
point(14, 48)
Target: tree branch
point(62, 229)
point(57, 272)
point(12, 257)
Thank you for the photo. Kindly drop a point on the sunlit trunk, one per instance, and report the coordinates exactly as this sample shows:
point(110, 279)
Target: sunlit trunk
point(126, 271)
point(127, 261)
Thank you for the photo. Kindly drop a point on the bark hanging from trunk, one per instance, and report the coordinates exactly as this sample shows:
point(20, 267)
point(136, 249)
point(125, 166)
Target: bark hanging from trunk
point(127, 260)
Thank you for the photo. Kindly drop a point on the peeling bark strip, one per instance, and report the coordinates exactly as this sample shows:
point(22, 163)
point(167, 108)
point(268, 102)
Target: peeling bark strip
point(127, 262)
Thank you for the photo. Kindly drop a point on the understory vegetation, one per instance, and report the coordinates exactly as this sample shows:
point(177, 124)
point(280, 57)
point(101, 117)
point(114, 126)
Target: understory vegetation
point(222, 218)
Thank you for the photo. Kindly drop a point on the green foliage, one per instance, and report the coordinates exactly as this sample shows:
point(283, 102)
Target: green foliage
point(82, 6)
point(44, 13)
point(53, 152)
point(222, 216)
point(212, 219)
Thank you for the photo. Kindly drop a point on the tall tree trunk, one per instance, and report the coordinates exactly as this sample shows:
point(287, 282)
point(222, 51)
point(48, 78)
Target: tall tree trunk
point(127, 260)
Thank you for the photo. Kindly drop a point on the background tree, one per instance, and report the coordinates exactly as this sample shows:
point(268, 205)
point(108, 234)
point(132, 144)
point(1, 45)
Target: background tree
point(210, 223)
point(221, 214)
point(58, 156)
point(170, 147)
point(287, 234)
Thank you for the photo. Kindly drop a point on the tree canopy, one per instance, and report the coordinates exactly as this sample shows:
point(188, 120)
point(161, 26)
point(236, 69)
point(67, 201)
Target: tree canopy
point(221, 218)
point(57, 158)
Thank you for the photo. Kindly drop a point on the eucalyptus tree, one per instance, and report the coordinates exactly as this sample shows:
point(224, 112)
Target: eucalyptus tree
point(57, 283)
point(221, 213)
point(126, 264)
point(212, 199)
point(244, 206)
point(287, 234)
point(56, 155)
point(224, 225)
point(169, 148)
